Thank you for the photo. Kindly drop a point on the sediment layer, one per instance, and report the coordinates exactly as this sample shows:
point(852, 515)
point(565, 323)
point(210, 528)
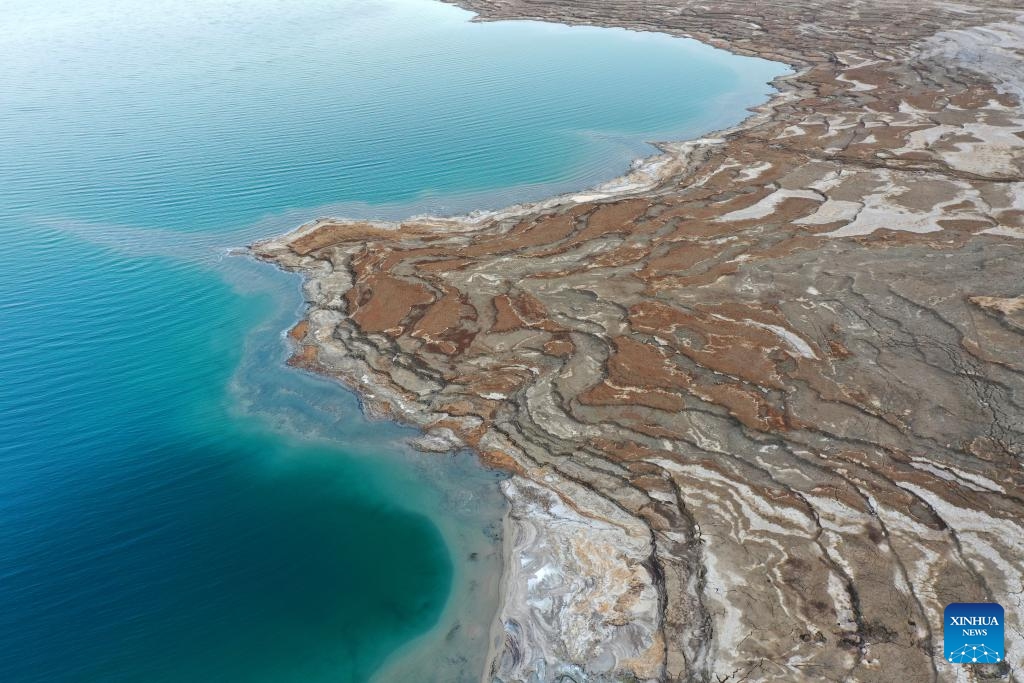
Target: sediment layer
point(762, 404)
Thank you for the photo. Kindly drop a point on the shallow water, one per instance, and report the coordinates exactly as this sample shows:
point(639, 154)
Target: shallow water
point(175, 503)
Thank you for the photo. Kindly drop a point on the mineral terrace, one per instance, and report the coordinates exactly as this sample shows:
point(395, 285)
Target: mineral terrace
point(762, 400)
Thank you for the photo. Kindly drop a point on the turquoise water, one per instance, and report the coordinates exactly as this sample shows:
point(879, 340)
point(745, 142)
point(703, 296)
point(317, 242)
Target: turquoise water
point(175, 504)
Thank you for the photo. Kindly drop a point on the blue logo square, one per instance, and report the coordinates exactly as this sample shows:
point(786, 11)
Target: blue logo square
point(972, 633)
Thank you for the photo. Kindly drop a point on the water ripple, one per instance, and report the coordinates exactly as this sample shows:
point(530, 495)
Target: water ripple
point(175, 503)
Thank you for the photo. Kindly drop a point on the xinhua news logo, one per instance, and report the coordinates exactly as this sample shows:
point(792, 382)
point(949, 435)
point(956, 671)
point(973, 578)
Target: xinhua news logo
point(972, 633)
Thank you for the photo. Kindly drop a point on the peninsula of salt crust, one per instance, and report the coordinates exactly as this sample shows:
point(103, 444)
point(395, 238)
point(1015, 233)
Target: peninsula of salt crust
point(762, 402)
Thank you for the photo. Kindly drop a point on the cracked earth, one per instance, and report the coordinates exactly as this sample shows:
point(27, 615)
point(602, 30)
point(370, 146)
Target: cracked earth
point(762, 401)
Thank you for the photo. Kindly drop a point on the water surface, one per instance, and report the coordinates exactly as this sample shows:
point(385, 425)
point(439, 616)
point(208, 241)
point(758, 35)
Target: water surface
point(175, 504)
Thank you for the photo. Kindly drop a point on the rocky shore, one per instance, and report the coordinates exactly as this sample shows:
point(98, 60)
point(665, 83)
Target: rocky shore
point(763, 401)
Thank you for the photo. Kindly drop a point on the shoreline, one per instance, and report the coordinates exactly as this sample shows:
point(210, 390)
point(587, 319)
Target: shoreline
point(437, 483)
point(638, 633)
point(497, 629)
point(675, 159)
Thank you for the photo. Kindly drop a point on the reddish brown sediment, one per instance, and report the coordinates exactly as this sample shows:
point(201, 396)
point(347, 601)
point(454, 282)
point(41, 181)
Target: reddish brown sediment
point(298, 332)
point(765, 413)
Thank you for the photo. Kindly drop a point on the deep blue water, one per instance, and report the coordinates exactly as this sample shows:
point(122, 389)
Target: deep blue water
point(175, 504)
